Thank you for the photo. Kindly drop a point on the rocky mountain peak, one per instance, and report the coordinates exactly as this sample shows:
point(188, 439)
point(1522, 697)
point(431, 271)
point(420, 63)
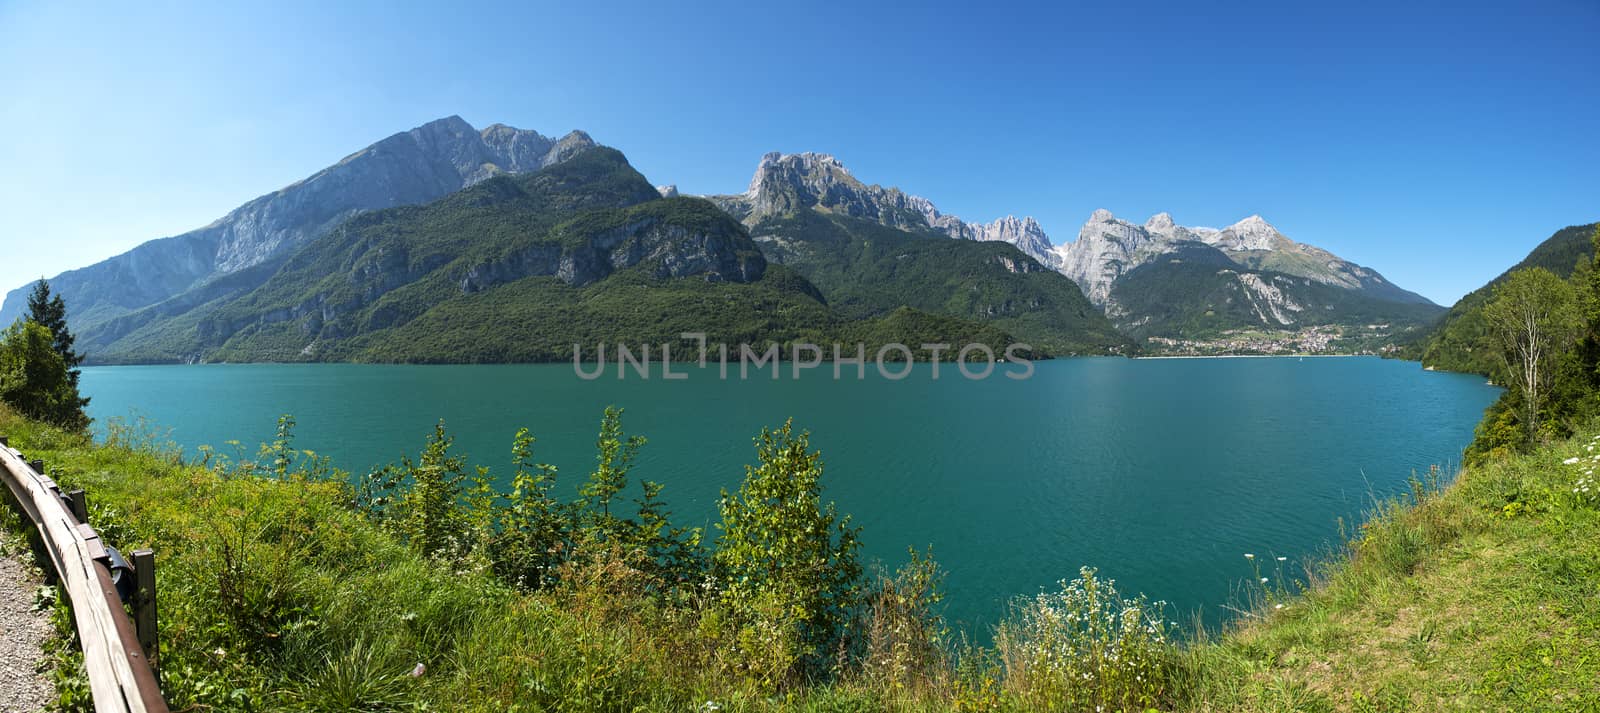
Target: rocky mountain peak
point(1253, 223)
point(452, 124)
point(567, 147)
point(1252, 233)
point(1101, 215)
point(1161, 222)
point(811, 170)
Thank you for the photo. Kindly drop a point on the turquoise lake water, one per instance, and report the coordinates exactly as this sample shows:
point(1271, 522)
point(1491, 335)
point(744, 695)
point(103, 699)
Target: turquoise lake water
point(1160, 472)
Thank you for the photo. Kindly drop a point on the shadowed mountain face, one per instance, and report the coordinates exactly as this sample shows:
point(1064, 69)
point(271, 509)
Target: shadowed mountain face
point(410, 167)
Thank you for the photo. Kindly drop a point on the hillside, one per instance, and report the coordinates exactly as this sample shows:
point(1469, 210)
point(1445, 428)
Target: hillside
point(1459, 341)
point(1194, 291)
point(514, 268)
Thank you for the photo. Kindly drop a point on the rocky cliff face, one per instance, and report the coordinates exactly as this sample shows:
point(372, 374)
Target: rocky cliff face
point(1106, 248)
point(718, 252)
point(410, 167)
point(784, 183)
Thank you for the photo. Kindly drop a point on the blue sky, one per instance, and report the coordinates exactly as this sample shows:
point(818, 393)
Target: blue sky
point(1437, 143)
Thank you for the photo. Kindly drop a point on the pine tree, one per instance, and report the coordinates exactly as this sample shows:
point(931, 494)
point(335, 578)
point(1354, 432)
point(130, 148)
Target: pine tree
point(50, 311)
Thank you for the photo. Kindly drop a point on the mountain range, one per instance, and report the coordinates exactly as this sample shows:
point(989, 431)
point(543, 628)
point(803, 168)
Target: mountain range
point(1180, 281)
point(425, 245)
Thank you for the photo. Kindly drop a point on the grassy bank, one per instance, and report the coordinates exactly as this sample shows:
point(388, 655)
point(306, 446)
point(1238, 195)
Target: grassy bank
point(277, 594)
point(1483, 596)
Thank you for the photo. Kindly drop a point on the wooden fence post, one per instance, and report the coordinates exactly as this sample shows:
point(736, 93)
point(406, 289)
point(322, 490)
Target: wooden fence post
point(80, 505)
point(144, 607)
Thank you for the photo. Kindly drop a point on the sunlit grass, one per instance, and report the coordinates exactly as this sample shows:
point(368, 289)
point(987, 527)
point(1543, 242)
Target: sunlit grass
point(275, 595)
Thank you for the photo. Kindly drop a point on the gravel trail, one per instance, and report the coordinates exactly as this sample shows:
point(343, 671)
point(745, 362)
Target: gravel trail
point(22, 634)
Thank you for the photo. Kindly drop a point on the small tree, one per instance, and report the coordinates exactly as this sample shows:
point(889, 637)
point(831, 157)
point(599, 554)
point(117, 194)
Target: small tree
point(35, 381)
point(614, 456)
point(787, 563)
point(430, 510)
point(648, 542)
point(1533, 317)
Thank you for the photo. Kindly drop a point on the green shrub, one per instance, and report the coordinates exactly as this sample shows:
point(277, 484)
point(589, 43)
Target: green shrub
point(785, 565)
point(35, 380)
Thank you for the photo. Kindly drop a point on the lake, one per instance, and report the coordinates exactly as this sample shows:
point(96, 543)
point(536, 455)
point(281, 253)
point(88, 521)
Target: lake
point(1160, 472)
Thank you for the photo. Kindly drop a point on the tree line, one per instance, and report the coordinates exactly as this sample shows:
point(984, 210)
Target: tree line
point(1545, 333)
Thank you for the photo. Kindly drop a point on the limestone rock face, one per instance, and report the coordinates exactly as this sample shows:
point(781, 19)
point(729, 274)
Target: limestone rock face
point(410, 167)
point(784, 183)
point(1026, 234)
point(1252, 233)
point(1106, 248)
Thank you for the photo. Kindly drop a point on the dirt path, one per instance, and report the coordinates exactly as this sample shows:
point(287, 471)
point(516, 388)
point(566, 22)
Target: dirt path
point(22, 632)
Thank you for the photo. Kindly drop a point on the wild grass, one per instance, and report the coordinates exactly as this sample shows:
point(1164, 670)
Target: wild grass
point(277, 594)
point(1476, 596)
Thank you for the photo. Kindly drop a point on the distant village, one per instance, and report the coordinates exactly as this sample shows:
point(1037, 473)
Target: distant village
point(1322, 339)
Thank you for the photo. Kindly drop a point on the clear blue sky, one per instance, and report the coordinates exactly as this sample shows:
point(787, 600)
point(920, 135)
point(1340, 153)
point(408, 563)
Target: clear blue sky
point(1436, 143)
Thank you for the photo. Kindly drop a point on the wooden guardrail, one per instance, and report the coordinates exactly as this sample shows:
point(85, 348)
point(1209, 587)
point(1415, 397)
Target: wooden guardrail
point(116, 655)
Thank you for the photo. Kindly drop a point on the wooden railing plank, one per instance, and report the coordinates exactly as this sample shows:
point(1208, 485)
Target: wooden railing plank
point(120, 678)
